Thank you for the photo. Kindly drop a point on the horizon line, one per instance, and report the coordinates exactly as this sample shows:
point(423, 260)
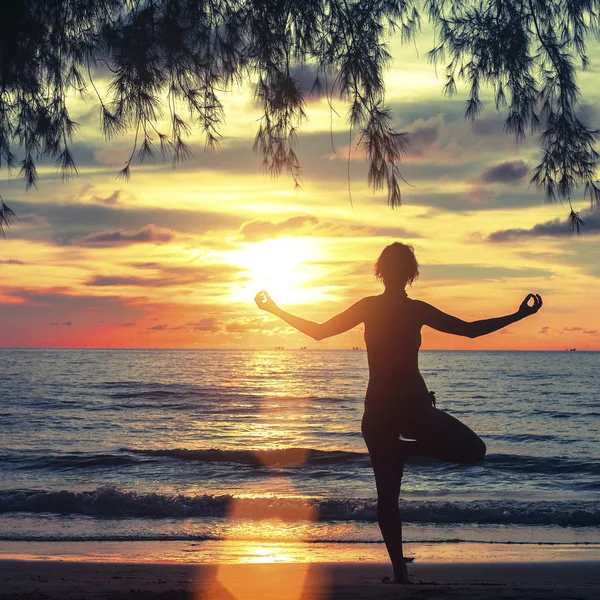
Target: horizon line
point(292, 349)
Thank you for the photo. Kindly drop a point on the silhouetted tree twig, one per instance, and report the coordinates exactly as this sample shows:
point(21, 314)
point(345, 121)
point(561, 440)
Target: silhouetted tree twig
point(172, 58)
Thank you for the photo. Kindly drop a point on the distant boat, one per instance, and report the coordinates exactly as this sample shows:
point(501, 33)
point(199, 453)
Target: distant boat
point(572, 350)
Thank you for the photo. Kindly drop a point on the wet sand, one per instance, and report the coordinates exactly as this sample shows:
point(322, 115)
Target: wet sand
point(64, 580)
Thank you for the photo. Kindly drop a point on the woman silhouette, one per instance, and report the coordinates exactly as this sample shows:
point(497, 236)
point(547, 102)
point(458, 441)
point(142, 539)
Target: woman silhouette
point(397, 401)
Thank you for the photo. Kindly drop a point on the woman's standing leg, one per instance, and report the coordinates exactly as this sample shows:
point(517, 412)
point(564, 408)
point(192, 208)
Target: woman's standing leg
point(388, 467)
point(438, 435)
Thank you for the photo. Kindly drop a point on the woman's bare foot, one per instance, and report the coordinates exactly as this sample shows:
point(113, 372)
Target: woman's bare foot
point(406, 581)
point(400, 575)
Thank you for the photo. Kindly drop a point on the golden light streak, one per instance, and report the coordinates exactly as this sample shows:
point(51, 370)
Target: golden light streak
point(289, 581)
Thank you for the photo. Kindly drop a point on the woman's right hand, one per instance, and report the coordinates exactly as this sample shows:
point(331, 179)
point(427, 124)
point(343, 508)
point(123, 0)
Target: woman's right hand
point(265, 302)
point(525, 310)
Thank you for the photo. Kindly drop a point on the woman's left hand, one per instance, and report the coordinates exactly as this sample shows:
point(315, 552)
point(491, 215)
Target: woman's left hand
point(265, 302)
point(526, 309)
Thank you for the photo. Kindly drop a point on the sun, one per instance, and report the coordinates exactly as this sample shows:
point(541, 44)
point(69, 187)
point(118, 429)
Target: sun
point(285, 267)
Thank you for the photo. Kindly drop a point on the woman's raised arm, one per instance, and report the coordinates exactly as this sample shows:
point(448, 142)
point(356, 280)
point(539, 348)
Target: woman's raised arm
point(346, 320)
point(436, 319)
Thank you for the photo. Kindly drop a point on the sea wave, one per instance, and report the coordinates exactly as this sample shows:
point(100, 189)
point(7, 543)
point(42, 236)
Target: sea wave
point(209, 394)
point(75, 460)
point(584, 472)
point(111, 502)
point(281, 457)
point(551, 465)
point(299, 457)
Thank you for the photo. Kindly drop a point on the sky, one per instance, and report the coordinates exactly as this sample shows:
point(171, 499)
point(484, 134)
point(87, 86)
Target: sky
point(174, 257)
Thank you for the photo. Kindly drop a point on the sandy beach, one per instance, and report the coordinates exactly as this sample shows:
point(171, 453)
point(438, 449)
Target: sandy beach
point(54, 580)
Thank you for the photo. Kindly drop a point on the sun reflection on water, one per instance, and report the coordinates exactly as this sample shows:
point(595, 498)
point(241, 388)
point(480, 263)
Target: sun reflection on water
point(272, 536)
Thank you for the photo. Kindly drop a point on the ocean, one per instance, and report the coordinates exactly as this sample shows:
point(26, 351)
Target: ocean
point(105, 452)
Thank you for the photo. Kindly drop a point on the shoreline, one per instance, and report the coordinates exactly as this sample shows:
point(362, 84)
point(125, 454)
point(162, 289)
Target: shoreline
point(292, 551)
point(65, 580)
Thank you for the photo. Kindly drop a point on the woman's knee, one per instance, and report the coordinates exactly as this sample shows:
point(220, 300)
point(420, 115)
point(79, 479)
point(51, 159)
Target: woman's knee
point(470, 446)
point(477, 452)
point(482, 450)
point(470, 452)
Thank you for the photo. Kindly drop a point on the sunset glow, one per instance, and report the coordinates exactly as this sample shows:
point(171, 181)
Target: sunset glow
point(174, 257)
point(281, 266)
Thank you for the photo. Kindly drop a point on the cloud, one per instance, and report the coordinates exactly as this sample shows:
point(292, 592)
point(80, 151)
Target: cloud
point(409, 111)
point(425, 142)
point(109, 157)
point(480, 195)
point(116, 280)
point(469, 272)
point(486, 126)
point(391, 232)
point(12, 261)
point(307, 75)
point(423, 135)
point(255, 325)
point(495, 124)
point(445, 143)
point(145, 265)
point(239, 327)
point(111, 200)
point(150, 234)
point(510, 172)
point(65, 324)
point(583, 330)
point(260, 230)
point(544, 329)
point(204, 324)
point(65, 299)
point(348, 229)
point(45, 297)
point(169, 275)
point(32, 219)
point(73, 220)
point(556, 227)
point(157, 328)
point(130, 324)
point(456, 142)
point(308, 225)
point(25, 315)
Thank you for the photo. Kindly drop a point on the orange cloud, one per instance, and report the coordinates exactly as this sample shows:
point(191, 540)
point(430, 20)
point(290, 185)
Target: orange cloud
point(204, 324)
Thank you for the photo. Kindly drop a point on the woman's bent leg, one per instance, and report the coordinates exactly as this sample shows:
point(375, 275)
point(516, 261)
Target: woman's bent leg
point(442, 436)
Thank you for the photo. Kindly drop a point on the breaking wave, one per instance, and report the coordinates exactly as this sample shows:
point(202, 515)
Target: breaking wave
point(110, 502)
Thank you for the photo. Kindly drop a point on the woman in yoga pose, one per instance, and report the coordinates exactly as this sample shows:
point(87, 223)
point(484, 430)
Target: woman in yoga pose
point(398, 402)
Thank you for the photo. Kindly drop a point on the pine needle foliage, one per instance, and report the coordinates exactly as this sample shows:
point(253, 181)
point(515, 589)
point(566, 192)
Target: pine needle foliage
point(7, 216)
point(188, 51)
